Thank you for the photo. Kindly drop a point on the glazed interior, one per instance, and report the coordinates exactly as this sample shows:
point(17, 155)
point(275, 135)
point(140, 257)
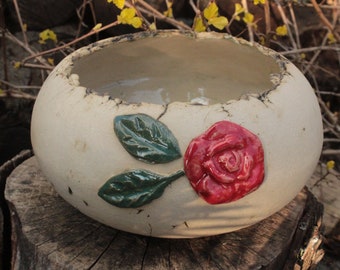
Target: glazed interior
point(176, 68)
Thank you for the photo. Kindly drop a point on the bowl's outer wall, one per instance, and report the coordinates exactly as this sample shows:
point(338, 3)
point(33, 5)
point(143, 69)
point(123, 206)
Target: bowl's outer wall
point(75, 144)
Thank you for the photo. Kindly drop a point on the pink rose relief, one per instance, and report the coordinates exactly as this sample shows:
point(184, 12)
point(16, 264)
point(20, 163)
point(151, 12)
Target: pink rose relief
point(225, 163)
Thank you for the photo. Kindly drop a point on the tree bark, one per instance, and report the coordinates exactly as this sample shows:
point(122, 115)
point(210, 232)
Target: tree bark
point(5, 225)
point(48, 233)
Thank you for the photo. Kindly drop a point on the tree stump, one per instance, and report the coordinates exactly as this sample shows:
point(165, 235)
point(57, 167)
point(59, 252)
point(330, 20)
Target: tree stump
point(48, 233)
point(5, 225)
point(1, 235)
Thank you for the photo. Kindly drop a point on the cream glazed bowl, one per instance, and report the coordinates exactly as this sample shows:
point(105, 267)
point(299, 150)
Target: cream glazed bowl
point(177, 134)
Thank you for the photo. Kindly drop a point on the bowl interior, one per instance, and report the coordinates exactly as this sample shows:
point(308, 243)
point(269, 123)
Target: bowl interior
point(176, 68)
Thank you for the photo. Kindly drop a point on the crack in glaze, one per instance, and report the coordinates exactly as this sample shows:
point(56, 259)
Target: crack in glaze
point(226, 111)
point(164, 112)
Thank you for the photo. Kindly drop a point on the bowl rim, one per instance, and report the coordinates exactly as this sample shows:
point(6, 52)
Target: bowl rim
point(65, 67)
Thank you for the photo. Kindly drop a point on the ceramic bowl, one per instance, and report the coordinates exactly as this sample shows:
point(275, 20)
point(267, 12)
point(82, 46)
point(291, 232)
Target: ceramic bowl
point(176, 134)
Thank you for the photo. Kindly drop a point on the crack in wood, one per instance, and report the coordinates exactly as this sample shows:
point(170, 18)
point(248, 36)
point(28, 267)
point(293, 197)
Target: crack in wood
point(52, 237)
point(145, 252)
point(169, 255)
point(59, 247)
point(103, 252)
point(84, 239)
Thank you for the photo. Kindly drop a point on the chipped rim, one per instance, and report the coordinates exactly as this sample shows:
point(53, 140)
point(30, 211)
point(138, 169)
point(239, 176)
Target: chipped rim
point(65, 67)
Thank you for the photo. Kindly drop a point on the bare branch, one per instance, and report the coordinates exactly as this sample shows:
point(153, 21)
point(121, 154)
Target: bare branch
point(324, 20)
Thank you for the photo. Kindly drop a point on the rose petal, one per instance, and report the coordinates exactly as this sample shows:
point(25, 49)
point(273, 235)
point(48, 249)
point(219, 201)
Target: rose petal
point(225, 163)
point(210, 191)
point(247, 166)
point(216, 174)
point(195, 155)
point(225, 159)
point(227, 142)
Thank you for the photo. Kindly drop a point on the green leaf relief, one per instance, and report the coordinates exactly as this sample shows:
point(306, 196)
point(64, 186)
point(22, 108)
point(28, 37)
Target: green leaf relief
point(146, 138)
point(136, 188)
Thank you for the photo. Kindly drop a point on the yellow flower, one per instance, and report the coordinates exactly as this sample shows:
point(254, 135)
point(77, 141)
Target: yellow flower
point(153, 26)
point(198, 24)
point(238, 10)
point(17, 65)
point(330, 164)
point(119, 3)
point(211, 14)
point(331, 38)
point(219, 22)
point(97, 26)
point(128, 16)
point(50, 61)
point(256, 2)
point(169, 12)
point(211, 11)
point(47, 34)
point(24, 27)
point(248, 18)
point(281, 30)
point(262, 40)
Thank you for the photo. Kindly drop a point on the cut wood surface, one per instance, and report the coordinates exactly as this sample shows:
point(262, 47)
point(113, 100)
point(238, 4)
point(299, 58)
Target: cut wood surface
point(48, 233)
point(325, 187)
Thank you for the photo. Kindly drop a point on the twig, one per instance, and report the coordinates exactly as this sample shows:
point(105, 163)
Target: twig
point(296, 29)
point(81, 14)
point(249, 26)
point(267, 18)
point(329, 128)
point(20, 86)
point(282, 46)
point(331, 140)
point(326, 6)
point(194, 7)
point(325, 21)
point(315, 56)
point(287, 23)
point(328, 113)
point(329, 93)
point(23, 30)
point(16, 94)
point(27, 48)
point(330, 72)
point(92, 32)
point(311, 49)
point(140, 15)
point(159, 15)
point(31, 65)
point(331, 152)
point(335, 11)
